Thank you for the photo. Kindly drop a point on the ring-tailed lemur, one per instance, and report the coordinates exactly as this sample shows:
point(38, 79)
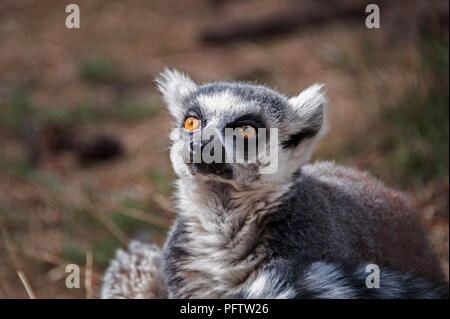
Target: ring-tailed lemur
point(304, 231)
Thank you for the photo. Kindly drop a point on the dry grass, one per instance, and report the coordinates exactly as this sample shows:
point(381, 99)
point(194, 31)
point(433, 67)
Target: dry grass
point(99, 79)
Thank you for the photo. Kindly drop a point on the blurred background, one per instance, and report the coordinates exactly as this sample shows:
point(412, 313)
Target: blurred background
point(84, 162)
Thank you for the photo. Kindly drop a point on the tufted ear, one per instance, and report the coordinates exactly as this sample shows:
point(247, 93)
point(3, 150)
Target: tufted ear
point(175, 86)
point(308, 116)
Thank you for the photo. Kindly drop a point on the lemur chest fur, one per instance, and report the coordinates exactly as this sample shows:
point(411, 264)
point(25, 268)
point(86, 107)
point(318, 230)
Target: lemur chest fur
point(216, 244)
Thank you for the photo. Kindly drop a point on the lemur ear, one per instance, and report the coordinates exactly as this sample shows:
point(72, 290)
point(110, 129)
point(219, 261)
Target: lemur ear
point(308, 116)
point(175, 86)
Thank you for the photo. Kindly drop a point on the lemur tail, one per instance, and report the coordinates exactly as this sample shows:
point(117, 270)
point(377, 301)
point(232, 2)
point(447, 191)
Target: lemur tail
point(135, 274)
point(333, 281)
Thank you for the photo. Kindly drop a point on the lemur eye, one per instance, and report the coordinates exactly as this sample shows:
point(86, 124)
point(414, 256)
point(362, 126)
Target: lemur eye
point(191, 123)
point(247, 131)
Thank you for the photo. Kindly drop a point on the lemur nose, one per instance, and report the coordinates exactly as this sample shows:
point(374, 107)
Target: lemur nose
point(197, 147)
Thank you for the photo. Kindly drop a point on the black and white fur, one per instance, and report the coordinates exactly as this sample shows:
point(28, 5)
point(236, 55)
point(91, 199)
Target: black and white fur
point(291, 234)
point(321, 280)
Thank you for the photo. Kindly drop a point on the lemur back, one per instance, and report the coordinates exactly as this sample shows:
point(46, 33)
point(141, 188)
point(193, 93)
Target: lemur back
point(355, 219)
point(243, 233)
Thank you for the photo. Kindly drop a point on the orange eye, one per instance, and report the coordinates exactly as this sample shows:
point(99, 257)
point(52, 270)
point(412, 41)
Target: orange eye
point(191, 123)
point(247, 131)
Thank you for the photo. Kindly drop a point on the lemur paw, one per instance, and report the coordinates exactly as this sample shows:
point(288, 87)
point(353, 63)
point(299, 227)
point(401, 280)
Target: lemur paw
point(135, 274)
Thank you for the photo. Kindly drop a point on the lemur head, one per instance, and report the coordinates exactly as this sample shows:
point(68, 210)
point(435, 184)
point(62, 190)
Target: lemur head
point(204, 115)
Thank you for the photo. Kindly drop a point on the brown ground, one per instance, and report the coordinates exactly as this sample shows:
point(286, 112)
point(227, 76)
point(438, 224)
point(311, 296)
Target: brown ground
point(55, 213)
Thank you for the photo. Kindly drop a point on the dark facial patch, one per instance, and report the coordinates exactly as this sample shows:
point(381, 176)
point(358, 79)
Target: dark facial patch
point(223, 170)
point(314, 122)
point(295, 139)
point(252, 119)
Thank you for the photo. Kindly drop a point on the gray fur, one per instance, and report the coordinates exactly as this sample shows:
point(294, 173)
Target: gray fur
point(238, 235)
point(332, 281)
point(135, 274)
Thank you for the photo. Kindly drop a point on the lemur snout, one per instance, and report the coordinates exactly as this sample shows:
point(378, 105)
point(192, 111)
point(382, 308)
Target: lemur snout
point(219, 169)
point(210, 162)
point(197, 149)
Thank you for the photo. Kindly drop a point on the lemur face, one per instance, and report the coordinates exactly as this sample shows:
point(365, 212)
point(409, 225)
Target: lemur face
point(240, 133)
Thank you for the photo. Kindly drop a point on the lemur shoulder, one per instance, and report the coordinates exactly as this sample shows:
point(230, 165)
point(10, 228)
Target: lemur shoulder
point(304, 231)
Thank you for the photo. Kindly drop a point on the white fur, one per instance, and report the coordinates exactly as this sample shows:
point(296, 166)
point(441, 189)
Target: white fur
point(174, 86)
point(305, 104)
point(135, 274)
point(210, 230)
point(267, 285)
point(222, 102)
point(325, 276)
